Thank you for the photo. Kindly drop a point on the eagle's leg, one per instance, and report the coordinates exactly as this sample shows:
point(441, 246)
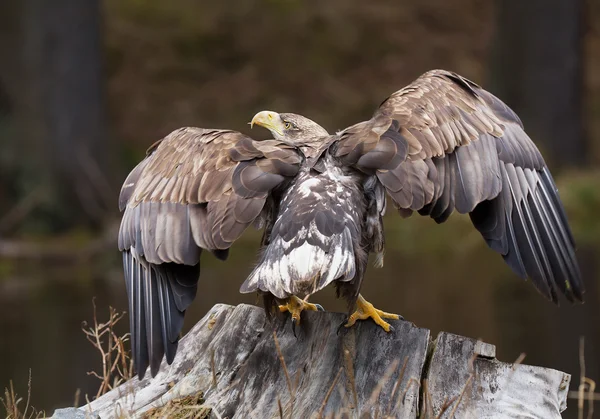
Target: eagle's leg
point(365, 310)
point(295, 306)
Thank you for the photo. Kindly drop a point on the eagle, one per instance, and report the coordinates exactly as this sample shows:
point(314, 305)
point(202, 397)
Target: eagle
point(439, 145)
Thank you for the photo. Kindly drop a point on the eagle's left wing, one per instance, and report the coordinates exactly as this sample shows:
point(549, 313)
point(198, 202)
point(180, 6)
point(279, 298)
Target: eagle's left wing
point(196, 189)
point(444, 143)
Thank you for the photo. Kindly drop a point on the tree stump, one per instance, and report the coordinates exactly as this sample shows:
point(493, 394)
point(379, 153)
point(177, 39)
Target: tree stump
point(242, 365)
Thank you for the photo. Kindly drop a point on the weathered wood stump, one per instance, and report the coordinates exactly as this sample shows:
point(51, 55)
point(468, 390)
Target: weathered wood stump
point(231, 359)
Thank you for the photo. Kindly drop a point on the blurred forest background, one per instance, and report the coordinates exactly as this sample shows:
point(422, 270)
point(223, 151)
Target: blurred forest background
point(87, 85)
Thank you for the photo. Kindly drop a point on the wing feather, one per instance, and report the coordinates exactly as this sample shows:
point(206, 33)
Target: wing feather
point(457, 146)
point(196, 189)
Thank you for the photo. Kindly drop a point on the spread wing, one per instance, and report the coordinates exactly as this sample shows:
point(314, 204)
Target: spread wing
point(196, 189)
point(443, 143)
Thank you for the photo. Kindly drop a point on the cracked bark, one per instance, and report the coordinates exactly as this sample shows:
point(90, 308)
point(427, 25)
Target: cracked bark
point(363, 372)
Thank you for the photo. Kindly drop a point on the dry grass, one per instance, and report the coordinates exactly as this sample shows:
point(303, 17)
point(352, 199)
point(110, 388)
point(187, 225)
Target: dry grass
point(352, 406)
point(117, 364)
point(190, 407)
point(291, 388)
point(194, 407)
point(398, 382)
point(117, 368)
point(587, 387)
point(12, 403)
point(328, 394)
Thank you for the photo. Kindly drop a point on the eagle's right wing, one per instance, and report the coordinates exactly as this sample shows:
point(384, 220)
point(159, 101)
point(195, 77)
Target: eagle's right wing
point(444, 143)
point(196, 189)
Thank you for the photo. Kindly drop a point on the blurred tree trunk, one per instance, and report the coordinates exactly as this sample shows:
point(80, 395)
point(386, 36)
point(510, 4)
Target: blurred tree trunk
point(8, 38)
point(537, 69)
point(60, 145)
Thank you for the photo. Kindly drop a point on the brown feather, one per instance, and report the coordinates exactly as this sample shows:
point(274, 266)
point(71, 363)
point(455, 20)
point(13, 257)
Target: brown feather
point(467, 150)
point(182, 198)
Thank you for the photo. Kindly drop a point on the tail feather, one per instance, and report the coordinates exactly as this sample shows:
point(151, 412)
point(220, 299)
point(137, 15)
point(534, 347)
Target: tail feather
point(158, 297)
point(154, 327)
point(302, 266)
point(315, 239)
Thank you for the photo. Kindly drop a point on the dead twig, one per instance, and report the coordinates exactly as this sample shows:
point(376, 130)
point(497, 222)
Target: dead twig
point(584, 383)
point(280, 408)
point(397, 385)
point(445, 406)
point(410, 381)
point(461, 395)
point(117, 366)
point(286, 372)
point(514, 366)
point(383, 381)
point(519, 360)
point(349, 366)
point(591, 396)
point(76, 398)
point(328, 395)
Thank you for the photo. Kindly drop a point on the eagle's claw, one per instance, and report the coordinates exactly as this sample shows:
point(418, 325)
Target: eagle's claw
point(295, 306)
point(365, 310)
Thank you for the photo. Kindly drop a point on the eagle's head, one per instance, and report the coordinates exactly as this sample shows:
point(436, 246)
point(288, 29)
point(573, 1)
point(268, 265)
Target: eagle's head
point(289, 128)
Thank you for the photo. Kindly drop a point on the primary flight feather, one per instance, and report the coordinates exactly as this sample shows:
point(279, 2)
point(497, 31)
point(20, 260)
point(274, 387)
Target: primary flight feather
point(440, 144)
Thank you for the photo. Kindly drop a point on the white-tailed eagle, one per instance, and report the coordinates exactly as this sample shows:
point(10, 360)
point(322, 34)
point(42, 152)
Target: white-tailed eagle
point(440, 144)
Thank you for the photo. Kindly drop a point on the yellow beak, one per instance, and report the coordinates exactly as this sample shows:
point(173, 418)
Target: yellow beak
point(270, 120)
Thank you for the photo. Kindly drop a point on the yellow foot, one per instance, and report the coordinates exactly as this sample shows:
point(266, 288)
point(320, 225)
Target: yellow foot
point(295, 306)
point(365, 310)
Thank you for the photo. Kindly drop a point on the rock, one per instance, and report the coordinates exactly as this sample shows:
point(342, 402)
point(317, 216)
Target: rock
point(231, 359)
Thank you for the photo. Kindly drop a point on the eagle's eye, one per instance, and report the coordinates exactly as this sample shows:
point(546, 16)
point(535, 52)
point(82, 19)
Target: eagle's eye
point(288, 125)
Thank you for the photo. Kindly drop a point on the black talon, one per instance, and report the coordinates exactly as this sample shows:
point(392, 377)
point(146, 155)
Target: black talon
point(319, 307)
point(341, 327)
point(294, 327)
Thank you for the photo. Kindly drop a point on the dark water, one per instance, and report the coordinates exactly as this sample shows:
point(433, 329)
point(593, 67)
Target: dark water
point(452, 284)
